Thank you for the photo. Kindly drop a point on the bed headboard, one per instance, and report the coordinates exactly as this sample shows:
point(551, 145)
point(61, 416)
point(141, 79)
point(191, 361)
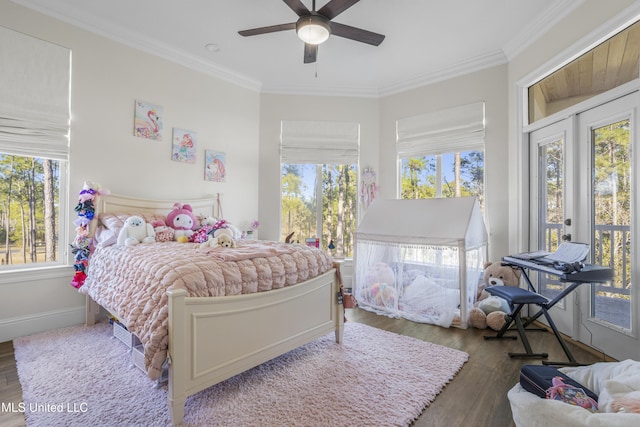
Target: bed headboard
point(115, 203)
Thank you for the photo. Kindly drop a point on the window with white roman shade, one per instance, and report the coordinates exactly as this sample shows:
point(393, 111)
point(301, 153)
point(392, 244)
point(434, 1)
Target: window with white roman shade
point(34, 151)
point(319, 162)
point(34, 96)
point(441, 153)
point(320, 142)
point(453, 129)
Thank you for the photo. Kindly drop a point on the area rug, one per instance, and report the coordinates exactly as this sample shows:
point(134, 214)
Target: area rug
point(80, 376)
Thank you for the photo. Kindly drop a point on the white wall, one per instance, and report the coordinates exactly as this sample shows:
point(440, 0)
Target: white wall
point(107, 78)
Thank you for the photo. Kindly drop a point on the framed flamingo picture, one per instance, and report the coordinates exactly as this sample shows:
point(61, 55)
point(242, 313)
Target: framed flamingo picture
point(148, 121)
point(215, 165)
point(183, 146)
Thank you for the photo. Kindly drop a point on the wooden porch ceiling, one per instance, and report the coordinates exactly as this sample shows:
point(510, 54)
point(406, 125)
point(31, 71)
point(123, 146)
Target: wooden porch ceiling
point(608, 65)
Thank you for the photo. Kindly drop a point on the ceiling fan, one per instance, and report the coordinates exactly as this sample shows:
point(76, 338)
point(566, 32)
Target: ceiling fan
point(314, 27)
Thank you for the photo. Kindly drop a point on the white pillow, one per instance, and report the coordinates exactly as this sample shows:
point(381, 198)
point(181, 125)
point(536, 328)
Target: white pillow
point(594, 376)
point(104, 237)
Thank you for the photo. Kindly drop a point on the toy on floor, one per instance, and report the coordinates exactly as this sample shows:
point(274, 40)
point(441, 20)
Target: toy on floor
point(379, 289)
point(490, 311)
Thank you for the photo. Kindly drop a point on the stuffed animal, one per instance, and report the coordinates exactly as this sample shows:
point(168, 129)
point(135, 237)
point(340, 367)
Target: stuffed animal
point(492, 313)
point(379, 288)
point(223, 240)
point(208, 220)
point(182, 220)
point(136, 231)
point(381, 295)
point(163, 233)
point(226, 241)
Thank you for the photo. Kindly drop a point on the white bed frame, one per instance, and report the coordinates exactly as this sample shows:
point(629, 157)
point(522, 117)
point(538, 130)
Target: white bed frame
point(212, 339)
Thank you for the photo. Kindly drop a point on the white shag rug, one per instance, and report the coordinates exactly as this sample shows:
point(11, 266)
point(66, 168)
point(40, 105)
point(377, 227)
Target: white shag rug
point(80, 376)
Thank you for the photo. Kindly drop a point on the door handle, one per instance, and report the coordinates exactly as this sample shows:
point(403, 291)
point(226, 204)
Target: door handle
point(566, 237)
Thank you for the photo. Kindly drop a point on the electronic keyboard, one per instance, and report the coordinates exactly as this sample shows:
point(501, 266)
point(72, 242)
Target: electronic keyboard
point(566, 272)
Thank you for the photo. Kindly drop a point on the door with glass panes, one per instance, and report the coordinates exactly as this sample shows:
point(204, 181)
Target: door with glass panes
point(583, 189)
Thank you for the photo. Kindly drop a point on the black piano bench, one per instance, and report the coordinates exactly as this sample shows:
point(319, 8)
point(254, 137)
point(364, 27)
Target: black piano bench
point(517, 299)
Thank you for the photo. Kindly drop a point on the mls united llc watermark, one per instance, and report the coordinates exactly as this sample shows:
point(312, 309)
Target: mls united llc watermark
point(32, 407)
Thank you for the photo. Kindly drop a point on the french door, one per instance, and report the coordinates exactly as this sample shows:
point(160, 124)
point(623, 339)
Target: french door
point(584, 189)
point(607, 215)
point(551, 204)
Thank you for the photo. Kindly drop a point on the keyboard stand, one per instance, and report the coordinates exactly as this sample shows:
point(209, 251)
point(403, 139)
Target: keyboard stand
point(518, 298)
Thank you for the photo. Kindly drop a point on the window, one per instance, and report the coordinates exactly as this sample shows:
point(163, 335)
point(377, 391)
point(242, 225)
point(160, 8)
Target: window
point(29, 201)
point(319, 184)
point(441, 154)
point(34, 150)
point(443, 175)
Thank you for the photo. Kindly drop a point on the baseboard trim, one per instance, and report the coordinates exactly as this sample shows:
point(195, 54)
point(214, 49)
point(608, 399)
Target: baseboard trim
point(15, 327)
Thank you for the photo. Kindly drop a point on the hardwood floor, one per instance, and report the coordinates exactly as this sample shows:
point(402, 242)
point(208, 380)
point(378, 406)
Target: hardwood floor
point(477, 396)
point(10, 390)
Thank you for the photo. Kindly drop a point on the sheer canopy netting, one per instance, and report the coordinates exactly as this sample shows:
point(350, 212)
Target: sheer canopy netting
point(424, 267)
point(418, 282)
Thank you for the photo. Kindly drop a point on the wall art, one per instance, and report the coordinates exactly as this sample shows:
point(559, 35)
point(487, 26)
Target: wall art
point(183, 146)
point(148, 121)
point(215, 166)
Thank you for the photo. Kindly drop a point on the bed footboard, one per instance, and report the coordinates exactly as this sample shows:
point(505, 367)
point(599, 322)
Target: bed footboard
point(212, 339)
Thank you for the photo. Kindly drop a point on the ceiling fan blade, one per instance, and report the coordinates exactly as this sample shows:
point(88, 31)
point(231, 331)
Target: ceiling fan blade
point(357, 34)
point(335, 8)
point(310, 53)
point(269, 29)
point(297, 6)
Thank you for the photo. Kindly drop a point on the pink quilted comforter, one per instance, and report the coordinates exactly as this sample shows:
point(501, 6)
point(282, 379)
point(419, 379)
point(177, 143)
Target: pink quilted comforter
point(131, 281)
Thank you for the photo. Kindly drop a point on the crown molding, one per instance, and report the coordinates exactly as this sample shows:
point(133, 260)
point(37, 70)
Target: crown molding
point(540, 26)
point(127, 38)
point(477, 63)
point(510, 50)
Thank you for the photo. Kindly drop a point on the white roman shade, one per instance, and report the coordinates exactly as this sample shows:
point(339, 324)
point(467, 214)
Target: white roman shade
point(34, 96)
point(319, 142)
point(444, 131)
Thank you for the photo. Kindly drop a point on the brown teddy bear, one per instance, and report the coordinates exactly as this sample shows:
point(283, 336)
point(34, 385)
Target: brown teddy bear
point(489, 311)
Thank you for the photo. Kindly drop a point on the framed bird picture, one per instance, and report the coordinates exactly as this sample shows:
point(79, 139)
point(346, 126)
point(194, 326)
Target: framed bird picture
point(148, 121)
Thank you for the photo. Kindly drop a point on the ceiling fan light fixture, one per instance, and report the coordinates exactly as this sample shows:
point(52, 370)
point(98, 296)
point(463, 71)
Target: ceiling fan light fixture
point(313, 29)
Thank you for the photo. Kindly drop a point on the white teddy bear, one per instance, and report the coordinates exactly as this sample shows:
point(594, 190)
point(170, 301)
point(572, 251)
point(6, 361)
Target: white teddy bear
point(135, 231)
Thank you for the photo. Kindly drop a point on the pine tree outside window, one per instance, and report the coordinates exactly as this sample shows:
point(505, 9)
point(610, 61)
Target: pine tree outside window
point(441, 154)
point(319, 184)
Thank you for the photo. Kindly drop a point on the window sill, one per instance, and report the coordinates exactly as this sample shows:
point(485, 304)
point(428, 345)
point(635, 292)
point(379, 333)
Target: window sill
point(36, 273)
